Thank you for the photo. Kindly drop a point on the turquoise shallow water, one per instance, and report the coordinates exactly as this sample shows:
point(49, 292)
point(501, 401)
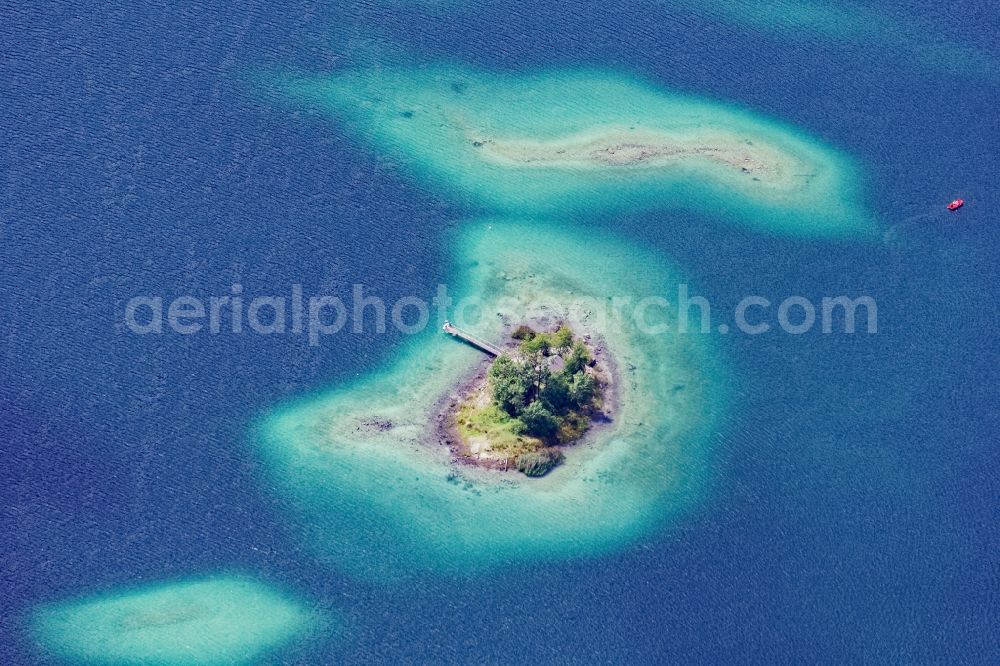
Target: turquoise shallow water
point(388, 504)
point(847, 511)
point(221, 620)
point(457, 129)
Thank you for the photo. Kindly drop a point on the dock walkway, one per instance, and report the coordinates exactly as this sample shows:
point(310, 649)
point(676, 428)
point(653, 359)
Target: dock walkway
point(478, 343)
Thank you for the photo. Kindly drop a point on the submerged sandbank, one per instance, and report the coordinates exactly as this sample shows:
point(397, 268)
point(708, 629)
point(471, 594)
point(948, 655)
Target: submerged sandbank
point(376, 492)
point(563, 143)
point(217, 620)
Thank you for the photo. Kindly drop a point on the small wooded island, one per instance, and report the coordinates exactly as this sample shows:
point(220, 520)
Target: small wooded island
point(534, 398)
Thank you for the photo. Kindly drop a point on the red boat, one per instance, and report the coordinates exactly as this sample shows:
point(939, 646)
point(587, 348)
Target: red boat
point(956, 204)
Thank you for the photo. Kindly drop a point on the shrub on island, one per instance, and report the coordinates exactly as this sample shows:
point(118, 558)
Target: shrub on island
point(523, 332)
point(538, 421)
point(540, 462)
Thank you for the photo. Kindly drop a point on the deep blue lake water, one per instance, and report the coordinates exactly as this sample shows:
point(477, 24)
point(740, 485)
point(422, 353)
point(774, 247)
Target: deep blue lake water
point(852, 514)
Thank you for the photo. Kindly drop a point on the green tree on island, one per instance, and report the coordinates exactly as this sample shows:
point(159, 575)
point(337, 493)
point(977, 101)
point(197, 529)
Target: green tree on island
point(538, 421)
point(510, 381)
point(577, 360)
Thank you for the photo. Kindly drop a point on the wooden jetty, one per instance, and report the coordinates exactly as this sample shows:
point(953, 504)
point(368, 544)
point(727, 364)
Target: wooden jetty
point(478, 343)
